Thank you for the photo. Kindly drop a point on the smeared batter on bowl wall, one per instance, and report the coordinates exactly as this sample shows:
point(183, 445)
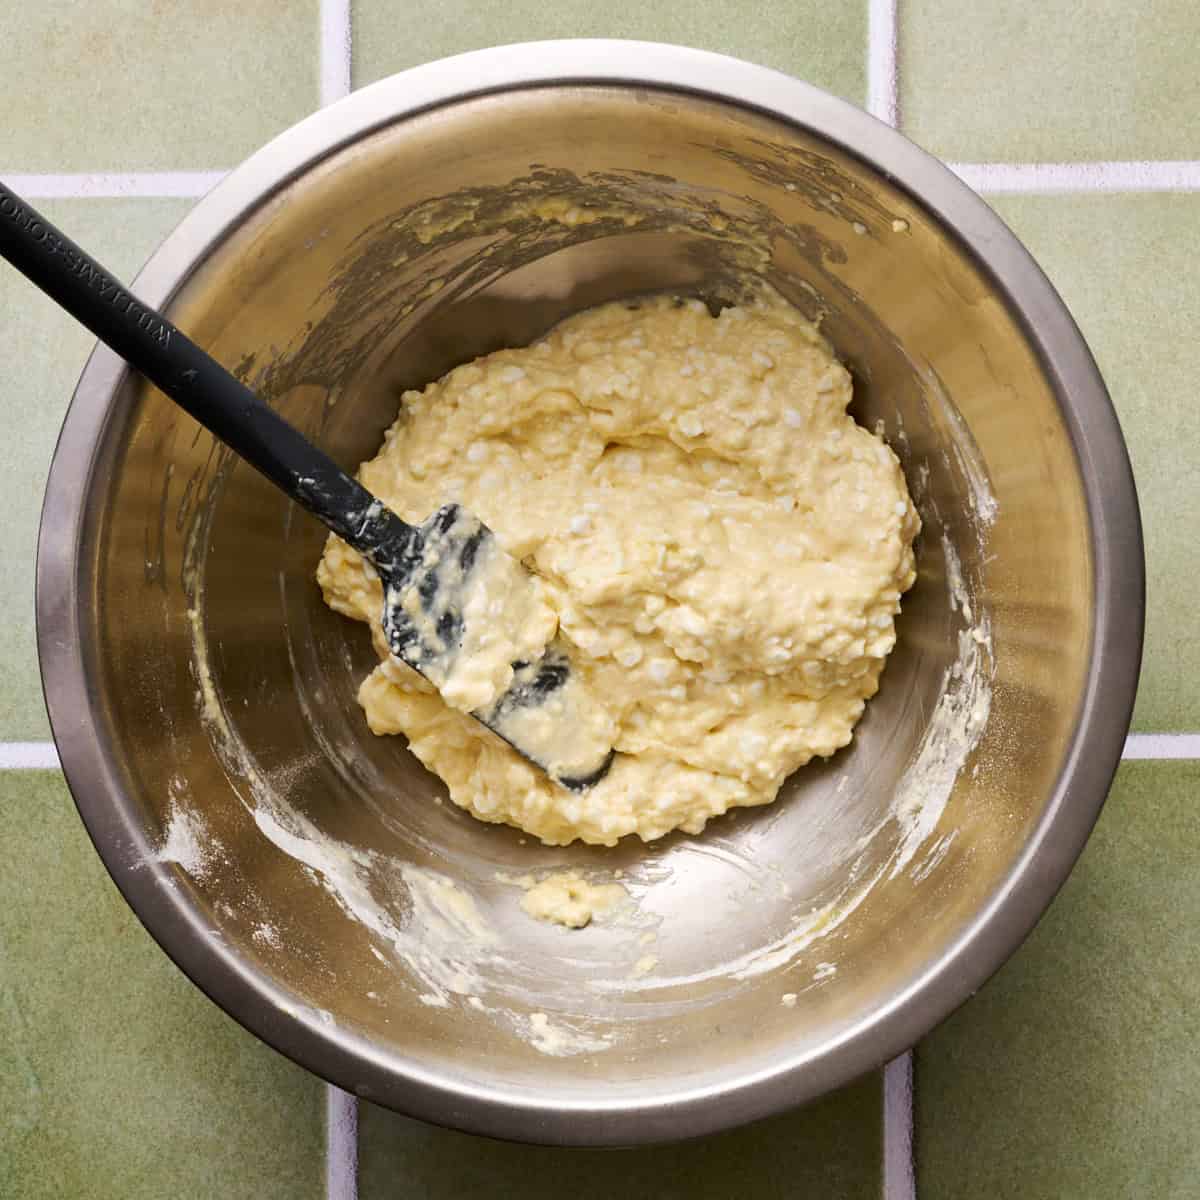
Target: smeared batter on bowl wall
point(724, 546)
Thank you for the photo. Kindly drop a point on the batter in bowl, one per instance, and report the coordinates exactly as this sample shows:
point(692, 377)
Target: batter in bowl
point(725, 549)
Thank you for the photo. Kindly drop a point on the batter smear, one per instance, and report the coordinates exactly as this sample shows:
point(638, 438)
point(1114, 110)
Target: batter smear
point(724, 548)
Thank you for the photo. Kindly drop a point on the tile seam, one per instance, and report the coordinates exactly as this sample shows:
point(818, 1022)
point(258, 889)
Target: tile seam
point(1139, 747)
point(335, 50)
point(113, 185)
point(899, 1167)
point(1148, 747)
point(882, 81)
point(341, 1144)
point(883, 101)
point(1015, 178)
point(341, 1108)
point(28, 756)
point(995, 178)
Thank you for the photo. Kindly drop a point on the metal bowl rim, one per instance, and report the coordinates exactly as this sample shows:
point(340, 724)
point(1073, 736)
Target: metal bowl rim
point(980, 948)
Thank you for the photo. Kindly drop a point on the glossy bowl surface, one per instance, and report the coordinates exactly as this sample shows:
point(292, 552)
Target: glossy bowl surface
point(295, 866)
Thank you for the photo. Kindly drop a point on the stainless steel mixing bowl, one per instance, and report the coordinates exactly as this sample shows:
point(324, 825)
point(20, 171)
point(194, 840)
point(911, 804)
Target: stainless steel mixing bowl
point(296, 867)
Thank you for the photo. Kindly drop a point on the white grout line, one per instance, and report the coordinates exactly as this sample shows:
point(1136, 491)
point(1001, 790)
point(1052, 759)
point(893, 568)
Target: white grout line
point(1162, 745)
point(341, 1145)
point(335, 50)
point(28, 756)
point(999, 178)
point(882, 79)
point(1008, 178)
point(899, 1170)
point(114, 185)
point(341, 1108)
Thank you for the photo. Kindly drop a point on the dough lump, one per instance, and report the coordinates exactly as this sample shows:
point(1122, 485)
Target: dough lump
point(725, 549)
point(566, 898)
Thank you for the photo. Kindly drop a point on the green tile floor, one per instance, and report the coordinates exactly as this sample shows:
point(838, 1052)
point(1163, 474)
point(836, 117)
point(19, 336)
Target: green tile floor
point(823, 43)
point(123, 85)
point(117, 1077)
point(1007, 81)
point(51, 349)
point(1074, 1074)
point(830, 1148)
point(1128, 267)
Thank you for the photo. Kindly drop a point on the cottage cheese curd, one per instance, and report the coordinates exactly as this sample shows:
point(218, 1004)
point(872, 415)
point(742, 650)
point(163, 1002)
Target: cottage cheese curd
point(724, 547)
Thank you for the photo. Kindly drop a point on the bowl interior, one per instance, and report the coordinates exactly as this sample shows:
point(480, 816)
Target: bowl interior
point(314, 853)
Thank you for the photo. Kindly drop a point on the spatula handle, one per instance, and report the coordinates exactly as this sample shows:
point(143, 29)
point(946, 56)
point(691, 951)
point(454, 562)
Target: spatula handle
point(147, 341)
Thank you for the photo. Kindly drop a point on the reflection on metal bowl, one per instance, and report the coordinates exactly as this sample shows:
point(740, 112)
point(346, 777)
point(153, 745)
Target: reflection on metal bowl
point(308, 875)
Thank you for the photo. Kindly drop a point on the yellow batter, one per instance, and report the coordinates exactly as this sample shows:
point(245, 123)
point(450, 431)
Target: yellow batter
point(724, 547)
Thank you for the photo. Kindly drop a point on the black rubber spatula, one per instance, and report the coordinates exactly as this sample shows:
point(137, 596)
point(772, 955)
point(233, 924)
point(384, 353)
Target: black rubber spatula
point(428, 570)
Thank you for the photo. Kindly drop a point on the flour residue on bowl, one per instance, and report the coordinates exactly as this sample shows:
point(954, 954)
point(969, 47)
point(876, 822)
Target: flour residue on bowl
point(960, 714)
point(442, 939)
point(955, 726)
point(559, 1040)
point(962, 450)
point(431, 925)
point(186, 842)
